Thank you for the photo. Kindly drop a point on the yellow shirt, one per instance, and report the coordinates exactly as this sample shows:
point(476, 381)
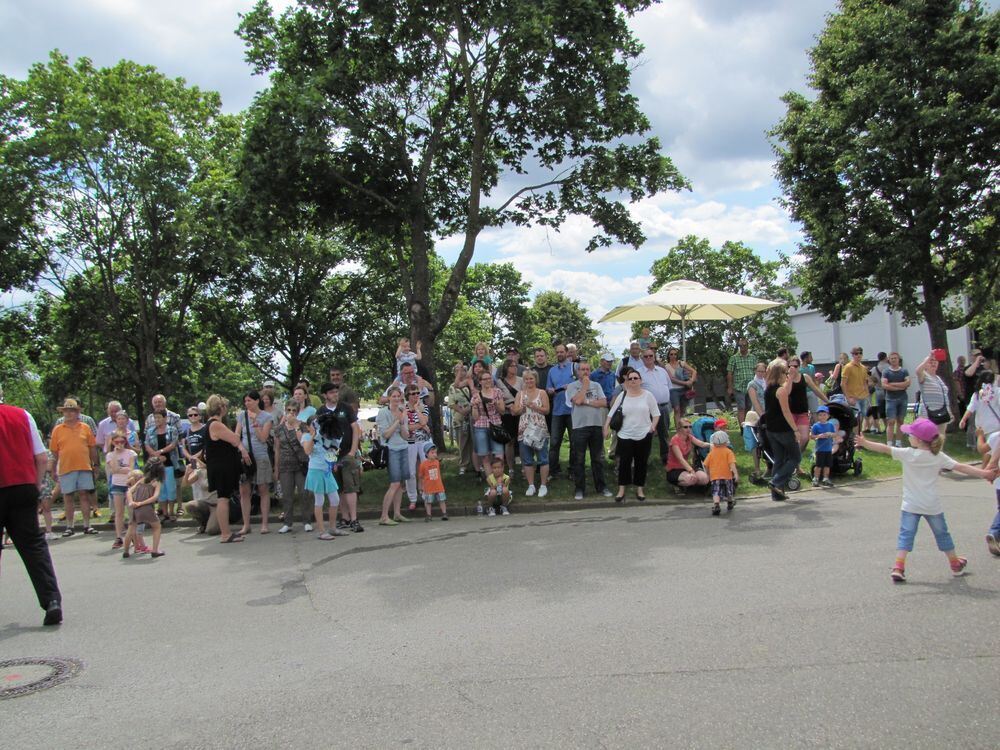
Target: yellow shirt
point(854, 381)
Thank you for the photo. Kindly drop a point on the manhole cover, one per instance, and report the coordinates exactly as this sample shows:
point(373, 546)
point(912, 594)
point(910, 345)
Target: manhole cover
point(29, 675)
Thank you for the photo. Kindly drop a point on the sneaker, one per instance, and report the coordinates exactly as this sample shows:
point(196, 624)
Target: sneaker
point(504, 511)
point(898, 575)
point(716, 510)
point(119, 543)
point(461, 470)
point(815, 482)
point(356, 527)
point(307, 528)
point(578, 496)
point(530, 492)
point(284, 529)
point(68, 532)
point(826, 483)
point(491, 512)
point(777, 494)
point(543, 491)
point(958, 566)
point(479, 509)
point(444, 518)
point(49, 536)
point(607, 493)
point(993, 545)
point(730, 505)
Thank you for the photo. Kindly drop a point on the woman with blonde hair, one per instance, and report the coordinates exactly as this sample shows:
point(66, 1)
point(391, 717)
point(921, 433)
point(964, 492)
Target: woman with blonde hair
point(223, 454)
point(781, 428)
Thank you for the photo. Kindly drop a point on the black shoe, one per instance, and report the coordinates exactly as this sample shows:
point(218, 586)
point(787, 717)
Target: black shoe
point(778, 495)
point(53, 613)
point(730, 505)
point(716, 510)
point(356, 527)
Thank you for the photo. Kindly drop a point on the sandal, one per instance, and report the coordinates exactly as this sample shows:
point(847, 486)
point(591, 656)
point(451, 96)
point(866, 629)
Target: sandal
point(231, 539)
point(90, 531)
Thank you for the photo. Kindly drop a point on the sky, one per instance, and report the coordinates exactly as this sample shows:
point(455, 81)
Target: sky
point(710, 81)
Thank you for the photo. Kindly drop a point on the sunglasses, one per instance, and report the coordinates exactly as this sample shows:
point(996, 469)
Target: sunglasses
point(633, 378)
point(194, 414)
point(648, 356)
point(685, 427)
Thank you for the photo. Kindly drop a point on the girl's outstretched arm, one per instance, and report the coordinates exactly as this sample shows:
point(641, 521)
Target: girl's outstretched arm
point(974, 471)
point(861, 442)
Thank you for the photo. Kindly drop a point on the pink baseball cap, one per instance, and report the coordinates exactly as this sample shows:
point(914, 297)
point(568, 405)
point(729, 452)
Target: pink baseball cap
point(921, 428)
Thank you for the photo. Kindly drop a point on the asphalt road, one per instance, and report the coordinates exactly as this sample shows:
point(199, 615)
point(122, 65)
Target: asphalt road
point(774, 626)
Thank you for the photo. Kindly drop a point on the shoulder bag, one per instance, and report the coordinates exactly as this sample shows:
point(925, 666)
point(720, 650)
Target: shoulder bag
point(248, 471)
point(942, 415)
point(617, 416)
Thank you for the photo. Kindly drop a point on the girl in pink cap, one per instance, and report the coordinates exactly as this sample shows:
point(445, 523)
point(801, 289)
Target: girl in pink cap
point(921, 464)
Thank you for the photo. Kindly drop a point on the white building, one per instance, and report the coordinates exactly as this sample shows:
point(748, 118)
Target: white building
point(879, 331)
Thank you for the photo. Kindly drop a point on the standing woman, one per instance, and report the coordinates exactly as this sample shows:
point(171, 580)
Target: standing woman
point(459, 399)
point(193, 443)
point(224, 457)
point(635, 438)
point(935, 403)
point(781, 428)
point(834, 380)
point(756, 388)
point(393, 428)
point(487, 406)
point(532, 404)
point(253, 427)
point(290, 461)
point(417, 419)
point(682, 377)
point(301, 396)
point(510, 384)
point(798, 400)
point(161, 442)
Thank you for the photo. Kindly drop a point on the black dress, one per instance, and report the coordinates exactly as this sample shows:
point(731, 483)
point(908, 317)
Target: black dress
point(222, 462)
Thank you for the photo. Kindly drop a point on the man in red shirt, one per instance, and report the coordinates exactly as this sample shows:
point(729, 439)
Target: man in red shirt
point(22, 468)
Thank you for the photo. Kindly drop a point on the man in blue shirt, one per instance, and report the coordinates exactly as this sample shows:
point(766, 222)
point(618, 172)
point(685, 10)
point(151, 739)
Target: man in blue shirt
point(560, 375)
point(604, 376)
point(656, 380)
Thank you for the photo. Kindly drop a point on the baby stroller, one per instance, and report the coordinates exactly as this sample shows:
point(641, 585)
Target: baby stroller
point(760, 432)
point(702, 428)
point(845, 419)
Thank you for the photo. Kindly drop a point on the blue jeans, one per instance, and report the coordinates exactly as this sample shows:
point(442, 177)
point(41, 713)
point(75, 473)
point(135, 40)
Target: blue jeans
point(786, 454)
point(908, 531)
point(995, 528)
point(483, 444)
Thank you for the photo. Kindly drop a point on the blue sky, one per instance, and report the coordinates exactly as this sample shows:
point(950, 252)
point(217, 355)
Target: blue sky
point(710, 82)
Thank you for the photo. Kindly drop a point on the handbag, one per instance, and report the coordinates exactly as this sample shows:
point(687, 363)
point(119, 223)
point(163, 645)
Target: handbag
point(942, 415)
point(535, 436)
point(248, 472)
point(617, 418)
point(498, 434)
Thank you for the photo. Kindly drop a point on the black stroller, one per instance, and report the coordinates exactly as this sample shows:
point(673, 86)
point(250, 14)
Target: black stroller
point(760, 432)
point(845, 419)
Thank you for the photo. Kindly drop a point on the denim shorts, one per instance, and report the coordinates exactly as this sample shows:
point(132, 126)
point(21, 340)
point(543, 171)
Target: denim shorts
point(483, 444)
point(677, 398)
point(895, 408)
point(76, 481)
point(535, 456)
point(435, 497)
point(399, 465)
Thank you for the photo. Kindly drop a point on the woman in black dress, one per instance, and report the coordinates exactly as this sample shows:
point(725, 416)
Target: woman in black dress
point(223, 453)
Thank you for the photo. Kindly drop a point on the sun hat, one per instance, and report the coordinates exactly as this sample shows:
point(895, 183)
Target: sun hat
point(70, 404)
point(921, 428)
point(719, 438)
point(752, 419)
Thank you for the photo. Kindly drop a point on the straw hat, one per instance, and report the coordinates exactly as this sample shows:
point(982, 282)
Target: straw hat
point(70, 404)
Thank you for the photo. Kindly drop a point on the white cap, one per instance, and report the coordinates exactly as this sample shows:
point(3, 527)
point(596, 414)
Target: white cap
point(607, 357)
point(719, 438)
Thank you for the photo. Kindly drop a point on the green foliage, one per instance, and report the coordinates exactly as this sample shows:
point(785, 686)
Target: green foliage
point(565, 320)
point(892, 167)
point(736, 268)
point(499, 292)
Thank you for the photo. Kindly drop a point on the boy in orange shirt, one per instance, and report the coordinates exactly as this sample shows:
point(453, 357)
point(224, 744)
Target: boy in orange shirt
point(721, 467)
point(431, 485)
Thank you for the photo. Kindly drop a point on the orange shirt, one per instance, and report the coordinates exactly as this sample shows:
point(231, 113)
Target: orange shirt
point(73, 445)
point(430, 476)
point(718, 462)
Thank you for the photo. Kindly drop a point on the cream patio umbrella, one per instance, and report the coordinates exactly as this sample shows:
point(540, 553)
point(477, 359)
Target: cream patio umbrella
point(688, 300)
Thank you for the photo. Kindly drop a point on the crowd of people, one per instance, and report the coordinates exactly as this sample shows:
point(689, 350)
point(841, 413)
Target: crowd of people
point(509, 420)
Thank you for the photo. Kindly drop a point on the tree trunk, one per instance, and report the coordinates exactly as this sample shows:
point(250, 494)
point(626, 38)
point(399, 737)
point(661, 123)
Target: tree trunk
point(934, 315)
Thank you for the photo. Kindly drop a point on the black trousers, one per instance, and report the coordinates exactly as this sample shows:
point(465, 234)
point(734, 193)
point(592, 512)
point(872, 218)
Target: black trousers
point(580, 440)
point(19, 516)
point(561, 423)
point(633, 460)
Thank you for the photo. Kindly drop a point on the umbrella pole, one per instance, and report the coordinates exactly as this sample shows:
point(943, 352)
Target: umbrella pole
point(684, 351)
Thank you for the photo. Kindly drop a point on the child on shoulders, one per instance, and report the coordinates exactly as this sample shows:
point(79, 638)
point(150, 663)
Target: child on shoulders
point(406, 356)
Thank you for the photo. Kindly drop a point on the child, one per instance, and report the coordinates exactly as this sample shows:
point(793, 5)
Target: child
point(320, 480)
point(45, 498)
point(921, 465)
point(499, 489)
point(404, 355)
point(431, 485)
point(721, 466)
point(644, 339)
point(119, 462)
point(823, 432)
point(142, 497)
point(750, 444)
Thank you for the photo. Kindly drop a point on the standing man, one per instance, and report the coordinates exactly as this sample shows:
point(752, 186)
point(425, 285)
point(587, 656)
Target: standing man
point(22, 468)
point(633, 359)
point(739, 373)
point(107, 425)
point(159, 403)
point(806, 367)
point(604, 377)
point(348, 468)
point(76, 462)
point(560, 376)
point(854, 383)
point(542, 368)
point(515, 356)
point(347, 394)
point(586, 398)
point(656, 380)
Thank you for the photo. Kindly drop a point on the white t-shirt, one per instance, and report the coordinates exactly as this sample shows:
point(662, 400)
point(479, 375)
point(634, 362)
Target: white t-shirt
point(920, 474)
point(994, 442)
point(639, 413)
point(985, 404)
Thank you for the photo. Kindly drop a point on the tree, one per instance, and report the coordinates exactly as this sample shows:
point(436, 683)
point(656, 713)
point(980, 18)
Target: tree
point(498, 290)
point(565, 320)
point(736, 268)
point(892, 169)
point(125, 166)
point(430, 119)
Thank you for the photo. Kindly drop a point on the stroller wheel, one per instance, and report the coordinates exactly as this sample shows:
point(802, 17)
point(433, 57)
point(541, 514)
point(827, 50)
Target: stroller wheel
point(794, 484)
point(857, 467)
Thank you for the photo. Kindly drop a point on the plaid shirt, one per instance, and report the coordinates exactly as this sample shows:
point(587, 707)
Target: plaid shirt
point(742, 367)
